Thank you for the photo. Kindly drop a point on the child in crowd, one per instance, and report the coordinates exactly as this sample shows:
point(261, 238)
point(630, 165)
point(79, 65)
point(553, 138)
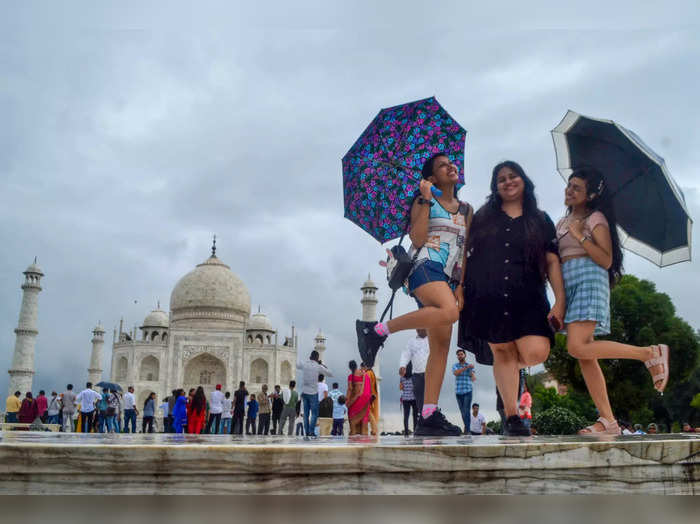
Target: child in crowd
point(252, 414)
point(299, 421)
point(340, 411)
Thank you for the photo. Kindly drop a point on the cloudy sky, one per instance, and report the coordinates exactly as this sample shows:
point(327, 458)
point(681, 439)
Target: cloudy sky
point(131, 134)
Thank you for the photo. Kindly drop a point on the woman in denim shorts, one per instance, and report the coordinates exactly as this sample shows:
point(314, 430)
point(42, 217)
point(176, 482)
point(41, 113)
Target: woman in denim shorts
point(438, 229)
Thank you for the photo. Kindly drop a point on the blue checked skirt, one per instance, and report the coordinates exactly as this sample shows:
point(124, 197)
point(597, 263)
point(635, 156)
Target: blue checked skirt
point(587, 293)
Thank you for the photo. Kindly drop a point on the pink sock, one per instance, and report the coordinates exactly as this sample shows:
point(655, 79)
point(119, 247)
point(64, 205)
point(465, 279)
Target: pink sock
point(381, 329)
point(428, 409)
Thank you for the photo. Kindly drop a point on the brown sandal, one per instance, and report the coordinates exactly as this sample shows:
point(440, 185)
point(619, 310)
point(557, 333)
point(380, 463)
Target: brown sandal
point(660, 360)
point(609, 428)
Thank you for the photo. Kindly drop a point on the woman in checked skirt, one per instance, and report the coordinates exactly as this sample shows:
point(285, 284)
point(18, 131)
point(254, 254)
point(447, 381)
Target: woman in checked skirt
point(591, 257)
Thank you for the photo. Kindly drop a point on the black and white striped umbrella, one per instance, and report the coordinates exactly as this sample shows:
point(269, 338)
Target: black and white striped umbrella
point(653, 220)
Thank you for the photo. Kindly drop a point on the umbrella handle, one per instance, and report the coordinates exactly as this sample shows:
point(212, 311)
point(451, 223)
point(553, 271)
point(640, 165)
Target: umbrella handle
point(437, 192)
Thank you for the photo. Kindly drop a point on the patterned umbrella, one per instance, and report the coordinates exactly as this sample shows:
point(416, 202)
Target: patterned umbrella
point(382, 170)
point(653, 220)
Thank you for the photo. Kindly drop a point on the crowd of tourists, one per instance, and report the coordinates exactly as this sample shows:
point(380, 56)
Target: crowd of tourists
point(313, 410)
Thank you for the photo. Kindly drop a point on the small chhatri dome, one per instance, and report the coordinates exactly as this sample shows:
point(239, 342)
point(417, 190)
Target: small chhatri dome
point(99, 328)
point(259, 322)
point(156, 318)
point(369, 284)
point(34, 268)
point(211, 291)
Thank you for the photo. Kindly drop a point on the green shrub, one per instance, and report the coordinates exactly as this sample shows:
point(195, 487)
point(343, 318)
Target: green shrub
point(558, 421)
point(495, 426)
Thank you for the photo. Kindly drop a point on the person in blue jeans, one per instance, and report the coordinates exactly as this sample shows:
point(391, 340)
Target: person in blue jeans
point(130, 411)
point(311, 369)
point(102, 411)
point(464, 376)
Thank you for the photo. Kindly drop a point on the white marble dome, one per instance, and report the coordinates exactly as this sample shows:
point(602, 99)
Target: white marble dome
point(260, 322)
point(156, 318)
point(212, 289)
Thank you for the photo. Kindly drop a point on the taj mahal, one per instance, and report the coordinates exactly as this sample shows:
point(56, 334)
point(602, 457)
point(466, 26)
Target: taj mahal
point(208, 337)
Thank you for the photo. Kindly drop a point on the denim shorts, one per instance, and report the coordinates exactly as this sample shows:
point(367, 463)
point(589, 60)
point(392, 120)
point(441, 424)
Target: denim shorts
point(426, 271)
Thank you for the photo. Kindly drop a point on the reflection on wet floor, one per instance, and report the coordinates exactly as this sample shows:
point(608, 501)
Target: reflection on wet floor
point(161, 439)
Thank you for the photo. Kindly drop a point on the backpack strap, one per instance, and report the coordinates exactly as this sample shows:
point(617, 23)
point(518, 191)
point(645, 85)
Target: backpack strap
point(390, 305)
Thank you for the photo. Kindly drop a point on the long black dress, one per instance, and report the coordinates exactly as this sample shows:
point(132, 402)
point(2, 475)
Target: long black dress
point(504, 296)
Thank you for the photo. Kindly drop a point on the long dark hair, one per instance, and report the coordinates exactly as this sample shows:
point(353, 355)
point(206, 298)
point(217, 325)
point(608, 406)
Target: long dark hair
point(199, 401)
point(353, 366)
point(599, 199)
point(145, 402)
point(485, 219)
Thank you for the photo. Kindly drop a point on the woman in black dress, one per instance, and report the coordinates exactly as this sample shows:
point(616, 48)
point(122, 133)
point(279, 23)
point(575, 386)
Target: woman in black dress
point(512, 252)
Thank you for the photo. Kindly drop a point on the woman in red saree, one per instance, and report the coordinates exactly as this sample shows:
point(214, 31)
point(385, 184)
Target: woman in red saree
point(196, 412)
point(358, 400)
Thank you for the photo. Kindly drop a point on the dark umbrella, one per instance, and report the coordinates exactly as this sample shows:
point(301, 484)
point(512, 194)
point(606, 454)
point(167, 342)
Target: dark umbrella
point(109, 385)
point(653, 220)
point(382, 170)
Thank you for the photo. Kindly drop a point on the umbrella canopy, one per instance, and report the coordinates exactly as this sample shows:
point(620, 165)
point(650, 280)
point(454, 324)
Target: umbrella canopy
point(382, 170)
point(109, 385)
point(653, 220)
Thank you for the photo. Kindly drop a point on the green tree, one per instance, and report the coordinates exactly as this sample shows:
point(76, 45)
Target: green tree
point(641, 316)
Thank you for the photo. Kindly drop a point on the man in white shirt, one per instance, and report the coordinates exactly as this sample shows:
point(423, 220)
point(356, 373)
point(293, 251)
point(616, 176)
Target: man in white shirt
point(226, 413)
point(417, 351)
point(87, 399)
point(477, 425)
point(322, 387)
point(215, 408)
point(130, 410)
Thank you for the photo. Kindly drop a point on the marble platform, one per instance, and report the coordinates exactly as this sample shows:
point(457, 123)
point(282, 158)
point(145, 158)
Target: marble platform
point(58, 463)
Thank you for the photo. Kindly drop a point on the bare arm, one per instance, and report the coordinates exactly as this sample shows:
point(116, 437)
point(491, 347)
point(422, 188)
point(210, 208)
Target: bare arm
point(600, 248)
point(420, 215)
point(555, 277)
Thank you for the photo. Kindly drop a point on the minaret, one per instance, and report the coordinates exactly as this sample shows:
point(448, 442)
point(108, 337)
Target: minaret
point(22, 370)
point(369, 301)
point(320, 344)
point(98, 341)
point(369, 314)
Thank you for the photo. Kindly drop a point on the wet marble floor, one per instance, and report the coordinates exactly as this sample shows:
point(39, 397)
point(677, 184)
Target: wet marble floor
point(167, 439)
point(38, 462)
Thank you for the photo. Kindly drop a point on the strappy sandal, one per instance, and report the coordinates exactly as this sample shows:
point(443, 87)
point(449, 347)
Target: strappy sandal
point(661, 359)
point(609, 428)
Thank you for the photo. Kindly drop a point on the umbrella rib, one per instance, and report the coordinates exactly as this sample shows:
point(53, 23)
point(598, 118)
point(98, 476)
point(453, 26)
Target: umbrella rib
point(633, 179)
